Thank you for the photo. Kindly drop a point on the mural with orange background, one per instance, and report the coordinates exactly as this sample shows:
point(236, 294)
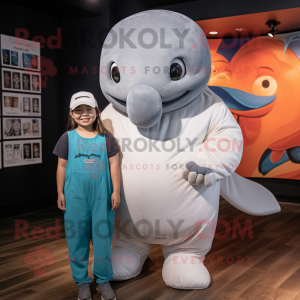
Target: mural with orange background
point(259, 80)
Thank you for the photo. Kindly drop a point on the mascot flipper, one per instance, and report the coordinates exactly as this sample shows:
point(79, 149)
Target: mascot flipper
point(248, 196)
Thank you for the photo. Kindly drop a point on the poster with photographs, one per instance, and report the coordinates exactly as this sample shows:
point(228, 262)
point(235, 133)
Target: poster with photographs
point(18, 153)
point(20, 53)
point(21, 81)
point(20, 128)
point(21, 104)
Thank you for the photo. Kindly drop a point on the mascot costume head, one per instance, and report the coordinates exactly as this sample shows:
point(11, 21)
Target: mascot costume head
point(180, 146)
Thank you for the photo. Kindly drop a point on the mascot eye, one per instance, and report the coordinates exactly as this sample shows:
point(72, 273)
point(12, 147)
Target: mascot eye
point(177, 69)
point(114, 73)
point(264, 86)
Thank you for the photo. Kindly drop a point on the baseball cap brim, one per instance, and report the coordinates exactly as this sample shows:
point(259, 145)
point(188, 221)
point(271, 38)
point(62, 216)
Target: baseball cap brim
point(83, 102)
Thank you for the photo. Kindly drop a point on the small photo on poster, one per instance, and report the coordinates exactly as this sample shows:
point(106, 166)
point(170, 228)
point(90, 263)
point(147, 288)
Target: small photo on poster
point(35, 127)
point(36, 150)
point(7, 79)
point(12, 153)
point(10, 105)
point(35, 105)
point(14, 58)
point(27, 151)
point(15, 103)
point(35, 83)
point(34, 62)
point(12, 127)
point(27, 127)
point(6, 57)
point(16, 80)
point(17, 127)
point(8, 102)
point(26, 60)
point(26, 81)
point(26, 105)
point(8, 127)
point(8, 151)
point(16, 151)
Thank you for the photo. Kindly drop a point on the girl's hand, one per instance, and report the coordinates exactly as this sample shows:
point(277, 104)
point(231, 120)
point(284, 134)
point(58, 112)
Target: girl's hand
point(61, 203)
point(115, 200)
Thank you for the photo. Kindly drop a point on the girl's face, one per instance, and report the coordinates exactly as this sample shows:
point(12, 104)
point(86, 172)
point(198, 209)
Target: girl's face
point(84, 115)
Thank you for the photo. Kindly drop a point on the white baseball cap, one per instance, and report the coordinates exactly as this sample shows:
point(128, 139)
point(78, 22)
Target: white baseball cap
point(83, 98)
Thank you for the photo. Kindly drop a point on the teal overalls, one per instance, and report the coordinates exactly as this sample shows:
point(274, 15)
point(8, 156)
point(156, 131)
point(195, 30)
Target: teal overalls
point(88, 189)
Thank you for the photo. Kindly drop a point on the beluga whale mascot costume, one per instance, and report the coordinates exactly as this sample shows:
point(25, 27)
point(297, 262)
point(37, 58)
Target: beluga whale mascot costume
point(179, 145)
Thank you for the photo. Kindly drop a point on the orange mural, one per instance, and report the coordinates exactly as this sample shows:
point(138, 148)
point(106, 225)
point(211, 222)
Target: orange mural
point(259, 80)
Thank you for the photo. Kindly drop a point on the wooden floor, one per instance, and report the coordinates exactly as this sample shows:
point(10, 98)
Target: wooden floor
point(273, 271)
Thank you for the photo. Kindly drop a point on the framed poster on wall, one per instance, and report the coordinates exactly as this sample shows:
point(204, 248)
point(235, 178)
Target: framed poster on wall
point(20, 81)
point(20, 53)
point(19, 153)
point(20, 128)
point(14, 104)
point(21, 85)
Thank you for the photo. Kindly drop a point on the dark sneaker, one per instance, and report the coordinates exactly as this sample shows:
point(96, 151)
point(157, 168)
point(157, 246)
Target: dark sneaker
point(107, 293)
point(84, 292)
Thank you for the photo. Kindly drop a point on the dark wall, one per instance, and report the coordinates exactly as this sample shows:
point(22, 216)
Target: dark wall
point(25, 184)
point(201, 9)
point(82, 43)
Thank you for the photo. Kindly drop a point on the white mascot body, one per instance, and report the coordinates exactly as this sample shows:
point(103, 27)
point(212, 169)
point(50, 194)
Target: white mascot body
point(179, 145)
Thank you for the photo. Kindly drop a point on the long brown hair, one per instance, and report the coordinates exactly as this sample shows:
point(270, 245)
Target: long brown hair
point(97, 125)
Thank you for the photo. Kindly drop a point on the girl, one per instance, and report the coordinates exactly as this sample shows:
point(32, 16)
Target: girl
point(88, 186)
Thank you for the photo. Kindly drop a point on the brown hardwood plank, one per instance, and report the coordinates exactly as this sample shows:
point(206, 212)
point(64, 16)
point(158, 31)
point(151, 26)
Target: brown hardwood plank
point(273, 274)
point(292, 283)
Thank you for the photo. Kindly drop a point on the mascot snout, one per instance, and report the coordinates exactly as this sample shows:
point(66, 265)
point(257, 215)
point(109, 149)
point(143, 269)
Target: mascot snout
point(144, 106)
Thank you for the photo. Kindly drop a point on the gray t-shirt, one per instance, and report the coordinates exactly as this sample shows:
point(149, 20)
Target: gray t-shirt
point(62, 147)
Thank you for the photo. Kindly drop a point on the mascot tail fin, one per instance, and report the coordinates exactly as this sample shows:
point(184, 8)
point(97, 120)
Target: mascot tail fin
point(248, 196)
